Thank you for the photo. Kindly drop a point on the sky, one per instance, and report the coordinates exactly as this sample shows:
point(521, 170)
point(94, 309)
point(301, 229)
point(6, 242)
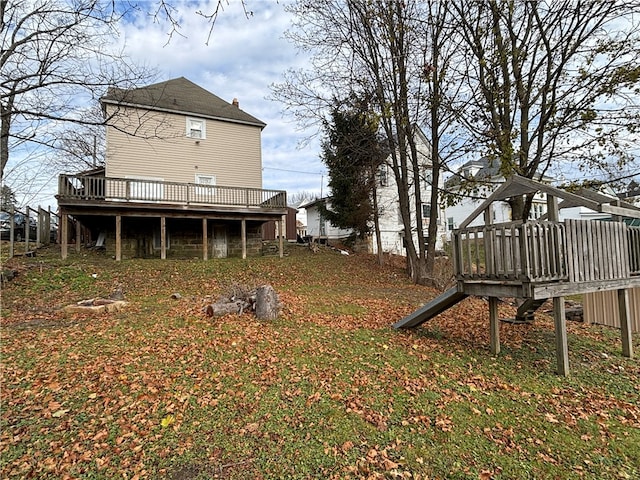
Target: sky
point(243, 58)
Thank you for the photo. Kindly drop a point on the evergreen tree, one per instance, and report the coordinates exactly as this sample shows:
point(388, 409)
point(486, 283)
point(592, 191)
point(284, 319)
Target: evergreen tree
point(7, 198)
point(353, 153)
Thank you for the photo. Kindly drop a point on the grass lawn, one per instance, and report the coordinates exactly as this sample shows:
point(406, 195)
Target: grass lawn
point(328, 390)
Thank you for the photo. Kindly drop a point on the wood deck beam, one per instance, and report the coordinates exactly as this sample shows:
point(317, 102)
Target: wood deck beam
point(78, 235)
point(550, 290)
point(494, 325)
point(118, 238)
point(243, 235)
point(625, 322)
point(64, 228)
point(560, 324)
point(205, 240)
point(163, 238)
point(283, 226)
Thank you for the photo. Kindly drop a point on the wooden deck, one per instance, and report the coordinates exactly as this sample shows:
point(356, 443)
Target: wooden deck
point(90, 197)
point(91, 189)
point(544, 259)
point(536, 260)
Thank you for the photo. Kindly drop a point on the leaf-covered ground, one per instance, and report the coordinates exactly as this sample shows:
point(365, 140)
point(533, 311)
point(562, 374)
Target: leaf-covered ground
point(329, 390)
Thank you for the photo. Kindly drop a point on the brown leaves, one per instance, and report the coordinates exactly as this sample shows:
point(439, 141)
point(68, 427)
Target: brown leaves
point(137, 392)
point(357, 406)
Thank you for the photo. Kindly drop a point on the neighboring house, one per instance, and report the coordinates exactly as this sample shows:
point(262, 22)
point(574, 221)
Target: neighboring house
point(487, 175)
point(319, 228)
point(183, 176)
point(301, 219)
point(392, 232)
point(632, 196)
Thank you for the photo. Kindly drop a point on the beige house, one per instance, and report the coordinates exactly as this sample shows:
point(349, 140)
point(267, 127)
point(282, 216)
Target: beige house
point(183, 177)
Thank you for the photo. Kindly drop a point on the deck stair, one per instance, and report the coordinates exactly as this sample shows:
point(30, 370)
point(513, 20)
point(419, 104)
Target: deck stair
point(431, 309)
point(527, 310)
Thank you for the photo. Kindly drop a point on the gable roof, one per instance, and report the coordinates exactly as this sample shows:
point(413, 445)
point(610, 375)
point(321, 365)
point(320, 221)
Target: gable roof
point(180, 95)
point(517, 185)
point(488, 173)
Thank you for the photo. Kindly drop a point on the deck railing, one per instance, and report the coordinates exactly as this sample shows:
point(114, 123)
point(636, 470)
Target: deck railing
point(542, 251)
point(79, 187)
point(634, 250)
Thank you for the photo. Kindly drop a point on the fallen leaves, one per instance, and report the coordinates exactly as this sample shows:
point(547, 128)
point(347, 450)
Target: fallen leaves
point(135, 392)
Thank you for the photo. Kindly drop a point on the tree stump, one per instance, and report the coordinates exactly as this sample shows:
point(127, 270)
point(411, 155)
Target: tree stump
point(267, 303)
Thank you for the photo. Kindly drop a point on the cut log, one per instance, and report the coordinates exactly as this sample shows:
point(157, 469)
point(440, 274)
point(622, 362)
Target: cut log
point(93, 307)
point(267, 303)
point(221, 309)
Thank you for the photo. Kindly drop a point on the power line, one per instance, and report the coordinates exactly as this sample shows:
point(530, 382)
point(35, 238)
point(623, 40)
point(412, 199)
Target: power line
point(292, 171)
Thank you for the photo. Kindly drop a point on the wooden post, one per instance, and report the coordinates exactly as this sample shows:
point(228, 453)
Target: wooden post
point(118, 238)
point(39, 227)
point(243, 234)
point(552, 208)
point(64, 225)
point(27, 229)
point(494, 325)
point(282, 230)
point(163, 238)
point(489, 239)
point(625, 322)
point(12, 227)
point(205, 240)
point(78, 235)
point(560, 322)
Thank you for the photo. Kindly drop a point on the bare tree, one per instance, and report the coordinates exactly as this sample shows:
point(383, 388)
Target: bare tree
point(295, 199)
point(552, 85)
point(82, 147)
point(373, 47)
point(57, 57)
point(442, 105)
point(164, 11)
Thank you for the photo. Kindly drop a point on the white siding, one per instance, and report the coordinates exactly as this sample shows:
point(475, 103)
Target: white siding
point(317, 227)
point(391, 226)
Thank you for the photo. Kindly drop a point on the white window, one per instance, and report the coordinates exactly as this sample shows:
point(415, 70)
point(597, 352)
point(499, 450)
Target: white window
point(537, 210)
point(196, 128)
point(206, 179)
point(150, 189)
point(450, 223)
point(383, 176)
point(206, 192)
point(426, 210)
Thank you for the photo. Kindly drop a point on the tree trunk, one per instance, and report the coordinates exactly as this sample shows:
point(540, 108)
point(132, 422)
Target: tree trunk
point(5, 129)
point(267, 303)
point(376, 225)
point(517, 208)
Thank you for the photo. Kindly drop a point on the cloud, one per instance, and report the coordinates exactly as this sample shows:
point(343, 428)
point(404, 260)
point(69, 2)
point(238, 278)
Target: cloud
point(243, 58)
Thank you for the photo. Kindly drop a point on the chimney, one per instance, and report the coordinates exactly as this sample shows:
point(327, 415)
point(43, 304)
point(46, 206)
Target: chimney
point(235, 103)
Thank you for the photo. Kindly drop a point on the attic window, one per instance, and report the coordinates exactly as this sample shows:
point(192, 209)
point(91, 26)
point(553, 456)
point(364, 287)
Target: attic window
point(383, 176)
point(426, 210)
point(196, 128)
